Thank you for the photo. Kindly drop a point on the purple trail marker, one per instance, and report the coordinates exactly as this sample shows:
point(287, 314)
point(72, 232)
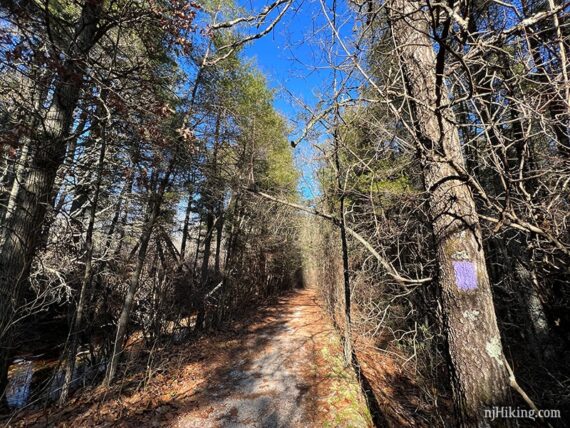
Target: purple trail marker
point(465, 275)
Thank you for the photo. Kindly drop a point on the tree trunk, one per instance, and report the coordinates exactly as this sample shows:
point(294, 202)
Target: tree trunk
point(82, 187)
point(153, 212)
point(200, 318)
point(185, 228)
point(539, 330)
point(125, 191)
point(210, 205)
point(20, 175)
point(347, 336)
point(219, 233)
point(60, 187)
point(479, 375)
point(24, 226)
point(77, 324)
point(197, 252)
point(16, 172)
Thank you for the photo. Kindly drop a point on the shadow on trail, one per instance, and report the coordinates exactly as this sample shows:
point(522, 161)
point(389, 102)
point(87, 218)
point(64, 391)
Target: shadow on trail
point(256, 382)
point(263, 370)
point(261, 384)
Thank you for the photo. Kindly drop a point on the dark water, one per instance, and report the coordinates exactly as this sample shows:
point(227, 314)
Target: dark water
point(19, 383)
point(33, 378)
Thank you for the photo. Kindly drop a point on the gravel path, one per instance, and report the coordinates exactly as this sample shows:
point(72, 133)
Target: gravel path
point(278, 366)
point(269, 382)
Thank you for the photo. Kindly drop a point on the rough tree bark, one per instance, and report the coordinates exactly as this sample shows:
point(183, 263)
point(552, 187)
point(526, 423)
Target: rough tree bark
point(479, 375)
point(16, 173)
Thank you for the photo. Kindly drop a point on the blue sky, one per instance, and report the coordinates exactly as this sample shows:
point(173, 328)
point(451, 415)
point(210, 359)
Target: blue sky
point(291, 58)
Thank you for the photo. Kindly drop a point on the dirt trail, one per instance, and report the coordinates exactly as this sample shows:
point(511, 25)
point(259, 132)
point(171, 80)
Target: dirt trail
point(281, 366)
point(275, 380)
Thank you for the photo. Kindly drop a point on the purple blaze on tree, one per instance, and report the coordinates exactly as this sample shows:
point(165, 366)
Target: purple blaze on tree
point(465, 275)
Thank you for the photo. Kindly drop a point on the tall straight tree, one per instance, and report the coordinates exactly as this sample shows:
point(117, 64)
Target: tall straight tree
point(479, 374)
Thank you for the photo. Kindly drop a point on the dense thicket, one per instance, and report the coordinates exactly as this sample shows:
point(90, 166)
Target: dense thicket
point(131, 139)
point(454, 165)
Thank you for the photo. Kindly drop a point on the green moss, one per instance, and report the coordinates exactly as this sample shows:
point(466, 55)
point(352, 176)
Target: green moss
point(346, 395)
point(453, 247)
